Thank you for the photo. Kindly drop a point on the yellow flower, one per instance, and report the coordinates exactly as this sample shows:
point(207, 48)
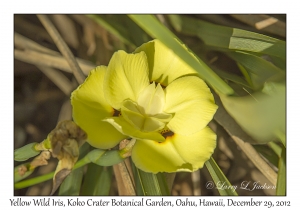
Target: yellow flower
point(154, 97)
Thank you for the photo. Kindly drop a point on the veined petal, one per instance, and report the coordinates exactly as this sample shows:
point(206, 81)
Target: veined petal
point(197, 148)
point(127, 129)
point(126, 77)
point(186, 89)
point(90, 108)
point(164, 65)
point(192, 117)
point(192, 102)
point(177, 153)
point(154, 157)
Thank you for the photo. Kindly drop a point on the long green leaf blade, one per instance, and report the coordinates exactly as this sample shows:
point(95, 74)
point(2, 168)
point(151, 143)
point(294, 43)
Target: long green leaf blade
point(229, 38)
point(153, 184)
point(122, 27)
point(138, 186)
point(113, 27)
point(267, 153)
point(218, 177)
point(281, 179)
point(258, 69)
point(72, 184)
point(97, 180)
point(156, 30)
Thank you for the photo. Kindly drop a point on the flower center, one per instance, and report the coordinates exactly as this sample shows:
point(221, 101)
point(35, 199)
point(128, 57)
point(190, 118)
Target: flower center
point(147, 113)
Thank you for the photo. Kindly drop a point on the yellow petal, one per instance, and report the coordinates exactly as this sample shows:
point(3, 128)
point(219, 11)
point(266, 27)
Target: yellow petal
point(177, 153)
point(126, 77)
point(195, 149)
point(164, 65)
point(152, 100)
point(192, 102)
point(90, 108)
point(151, 156)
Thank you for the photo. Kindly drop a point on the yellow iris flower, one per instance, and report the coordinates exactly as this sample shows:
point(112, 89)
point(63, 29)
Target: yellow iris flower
point(151, 96)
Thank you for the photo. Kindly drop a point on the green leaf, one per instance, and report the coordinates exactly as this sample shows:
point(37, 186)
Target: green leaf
point(275, 147)
point(123, 28)
point(262, 115)
point(281, 179)
point(26, 152)
point(218, 177)
point(138, 185)
point(156, 30)
point(113, 27)
point(258, 70)
point(97, 180)
point(268, 153)
point(72, 184)
point(229, 38)
point(105, 158)
point(153, 184)
point(232, 77)
point(102, 187)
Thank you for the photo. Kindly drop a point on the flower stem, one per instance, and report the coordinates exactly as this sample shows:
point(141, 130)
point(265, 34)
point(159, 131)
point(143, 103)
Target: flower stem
point(39, 179)
point(126, 151)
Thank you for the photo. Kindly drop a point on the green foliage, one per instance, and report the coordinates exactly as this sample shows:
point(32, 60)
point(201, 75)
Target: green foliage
point(257, 70)
point(121, 26)
point(281, 180)
point(97, 180)
point(26, 152)
point(261, 114)
point(218, 177)
point(227, 38)
point(153, 184)
point(72, 183)
point(105, 158)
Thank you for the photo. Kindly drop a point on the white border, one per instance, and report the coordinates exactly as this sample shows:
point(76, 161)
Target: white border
point(155, 6)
